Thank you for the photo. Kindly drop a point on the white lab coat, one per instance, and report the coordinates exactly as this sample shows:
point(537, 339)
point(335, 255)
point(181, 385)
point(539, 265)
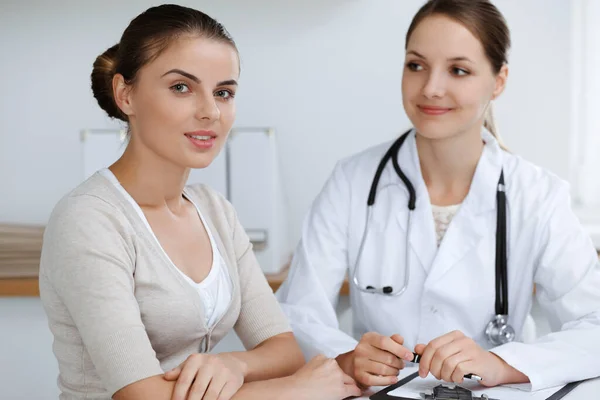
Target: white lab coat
point(451, 287)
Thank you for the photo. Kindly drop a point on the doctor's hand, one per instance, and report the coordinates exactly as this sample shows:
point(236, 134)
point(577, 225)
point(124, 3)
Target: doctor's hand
point(453, 355)
point(207, 377)
point(376, 360)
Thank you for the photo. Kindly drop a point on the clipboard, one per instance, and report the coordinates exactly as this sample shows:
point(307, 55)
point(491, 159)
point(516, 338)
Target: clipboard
point(383, 394)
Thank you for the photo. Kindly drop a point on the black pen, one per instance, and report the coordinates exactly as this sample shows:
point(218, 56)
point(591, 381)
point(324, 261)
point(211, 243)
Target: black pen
point(417, 358)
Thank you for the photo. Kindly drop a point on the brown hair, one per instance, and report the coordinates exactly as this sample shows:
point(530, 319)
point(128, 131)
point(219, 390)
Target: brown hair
point(485, 22)
point(146, 37)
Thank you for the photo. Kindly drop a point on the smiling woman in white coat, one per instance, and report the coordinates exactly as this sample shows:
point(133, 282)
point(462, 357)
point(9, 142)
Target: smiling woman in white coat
point(444, 233)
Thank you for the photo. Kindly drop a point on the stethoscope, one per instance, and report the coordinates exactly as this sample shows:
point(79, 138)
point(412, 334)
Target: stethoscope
point(498, 331)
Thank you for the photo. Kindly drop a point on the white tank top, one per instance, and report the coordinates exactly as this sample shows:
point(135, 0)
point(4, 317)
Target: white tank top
point(215, 289)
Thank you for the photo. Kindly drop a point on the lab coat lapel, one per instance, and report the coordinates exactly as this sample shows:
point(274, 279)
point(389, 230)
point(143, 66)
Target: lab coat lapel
point(422, 235)
point(422, 231)
point(468, 226)
point(462, 236)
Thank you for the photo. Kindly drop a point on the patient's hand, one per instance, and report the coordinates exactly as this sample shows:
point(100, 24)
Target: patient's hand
point(322, 378)
point(207, 377)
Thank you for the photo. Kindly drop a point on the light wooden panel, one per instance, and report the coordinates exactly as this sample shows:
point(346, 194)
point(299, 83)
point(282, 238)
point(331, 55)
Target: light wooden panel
point(22, 287)
point(20, 250)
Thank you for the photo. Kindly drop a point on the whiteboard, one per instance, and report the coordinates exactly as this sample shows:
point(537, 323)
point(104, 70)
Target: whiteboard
point(257, 195)
point(251, 177)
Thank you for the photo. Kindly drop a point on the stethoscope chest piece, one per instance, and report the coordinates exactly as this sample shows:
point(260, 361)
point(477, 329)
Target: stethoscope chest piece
point(498, 331)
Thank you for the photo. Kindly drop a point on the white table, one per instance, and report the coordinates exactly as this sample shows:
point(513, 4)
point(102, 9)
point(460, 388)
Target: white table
point(586, 390)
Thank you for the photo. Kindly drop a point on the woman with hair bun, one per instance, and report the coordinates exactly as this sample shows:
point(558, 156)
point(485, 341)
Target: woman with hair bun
point(140, 275)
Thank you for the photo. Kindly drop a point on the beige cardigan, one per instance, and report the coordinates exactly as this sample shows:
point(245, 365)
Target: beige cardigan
point(118, 311)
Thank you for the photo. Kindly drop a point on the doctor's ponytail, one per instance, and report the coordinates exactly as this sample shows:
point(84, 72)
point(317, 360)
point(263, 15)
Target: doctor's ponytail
point(486, 23)
point(489, 123)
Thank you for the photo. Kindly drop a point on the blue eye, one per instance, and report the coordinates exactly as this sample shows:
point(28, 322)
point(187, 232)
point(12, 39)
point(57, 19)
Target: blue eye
point(180, 88)
point(414, 66)
point(225, 94)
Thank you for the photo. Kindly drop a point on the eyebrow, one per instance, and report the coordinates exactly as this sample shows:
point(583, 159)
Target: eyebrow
point(195, 79)
point(230, 82)
point(450, 59)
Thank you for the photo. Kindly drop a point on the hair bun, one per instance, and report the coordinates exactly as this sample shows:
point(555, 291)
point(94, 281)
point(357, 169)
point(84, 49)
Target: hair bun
point(103, 72)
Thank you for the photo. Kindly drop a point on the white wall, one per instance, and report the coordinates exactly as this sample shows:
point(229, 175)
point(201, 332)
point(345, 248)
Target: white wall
point(325, 74)
point(28, 369)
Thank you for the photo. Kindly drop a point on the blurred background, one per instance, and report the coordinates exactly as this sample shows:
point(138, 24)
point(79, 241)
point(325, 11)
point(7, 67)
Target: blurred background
point(320, 80)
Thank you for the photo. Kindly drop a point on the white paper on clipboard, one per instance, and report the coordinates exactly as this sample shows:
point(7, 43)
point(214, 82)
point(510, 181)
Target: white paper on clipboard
point(418, 385)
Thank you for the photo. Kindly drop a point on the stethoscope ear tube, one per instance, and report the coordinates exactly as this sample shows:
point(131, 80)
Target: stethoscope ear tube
point(412, 195)
point(388, 291)
point(393, 154)
point(501, 262)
